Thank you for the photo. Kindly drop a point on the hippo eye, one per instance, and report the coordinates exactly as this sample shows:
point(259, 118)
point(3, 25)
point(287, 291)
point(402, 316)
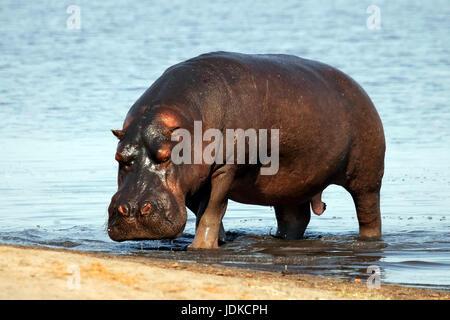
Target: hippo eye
point(125, 162)
point(126, 166)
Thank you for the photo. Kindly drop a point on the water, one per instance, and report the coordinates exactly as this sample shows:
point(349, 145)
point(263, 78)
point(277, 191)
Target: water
point(61, 91)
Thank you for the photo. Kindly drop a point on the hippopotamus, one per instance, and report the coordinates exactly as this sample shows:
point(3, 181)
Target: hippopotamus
point(329, 132)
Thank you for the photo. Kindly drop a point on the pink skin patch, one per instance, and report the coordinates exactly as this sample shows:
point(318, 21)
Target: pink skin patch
point(317, 205)
point(169, 120)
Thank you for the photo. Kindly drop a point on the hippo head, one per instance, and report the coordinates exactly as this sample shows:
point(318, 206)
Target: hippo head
point(150, 201)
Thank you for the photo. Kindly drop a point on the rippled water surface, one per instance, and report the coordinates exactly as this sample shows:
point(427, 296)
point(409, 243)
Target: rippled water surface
point(61, 91)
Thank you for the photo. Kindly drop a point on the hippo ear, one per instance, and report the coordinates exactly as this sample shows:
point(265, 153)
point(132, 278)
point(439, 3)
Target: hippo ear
point(118, 133)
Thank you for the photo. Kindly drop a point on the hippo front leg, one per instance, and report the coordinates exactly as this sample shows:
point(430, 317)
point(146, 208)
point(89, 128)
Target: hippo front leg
point(292, 220)
point(208, 228)
point(199, 213)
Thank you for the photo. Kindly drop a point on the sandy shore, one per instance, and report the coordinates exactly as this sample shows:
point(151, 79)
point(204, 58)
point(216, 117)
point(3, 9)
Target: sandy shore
point(36, 273)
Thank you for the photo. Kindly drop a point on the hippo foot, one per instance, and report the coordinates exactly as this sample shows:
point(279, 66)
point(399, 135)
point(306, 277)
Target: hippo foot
point(192, 248)
point(285, 235)
point(202, 245)
point(199, 245)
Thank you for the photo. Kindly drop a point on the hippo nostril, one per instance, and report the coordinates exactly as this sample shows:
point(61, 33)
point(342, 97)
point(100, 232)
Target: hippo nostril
point(124, 210)
point(146, 209)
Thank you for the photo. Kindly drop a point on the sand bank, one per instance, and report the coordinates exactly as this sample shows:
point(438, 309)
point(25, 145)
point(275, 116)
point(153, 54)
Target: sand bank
point(37, 273)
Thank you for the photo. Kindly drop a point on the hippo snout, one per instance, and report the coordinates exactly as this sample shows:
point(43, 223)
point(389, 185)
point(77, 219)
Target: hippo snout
point(144, 220)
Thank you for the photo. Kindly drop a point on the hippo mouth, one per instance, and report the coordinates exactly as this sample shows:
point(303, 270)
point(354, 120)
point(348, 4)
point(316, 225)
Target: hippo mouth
point(122, 231)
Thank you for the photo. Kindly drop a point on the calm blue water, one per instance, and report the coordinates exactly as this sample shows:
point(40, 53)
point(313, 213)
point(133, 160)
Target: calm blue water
point(61, 90)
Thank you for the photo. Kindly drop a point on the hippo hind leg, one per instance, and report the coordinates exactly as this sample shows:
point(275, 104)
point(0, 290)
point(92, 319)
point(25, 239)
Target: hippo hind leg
point(368, 212)
point(365, 192)
point(292, 220)
point(364, 188)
